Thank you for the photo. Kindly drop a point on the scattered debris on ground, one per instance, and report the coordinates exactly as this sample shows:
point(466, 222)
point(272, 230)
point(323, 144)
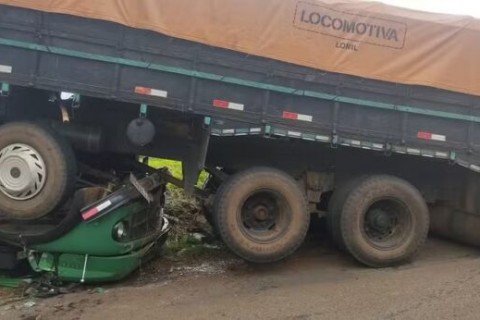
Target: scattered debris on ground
point(191, 234)
point(192, 249)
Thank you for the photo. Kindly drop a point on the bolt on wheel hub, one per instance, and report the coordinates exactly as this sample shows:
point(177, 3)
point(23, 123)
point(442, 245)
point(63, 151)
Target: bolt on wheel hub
point(261, 213)
point(22, 172)
point(380, 220)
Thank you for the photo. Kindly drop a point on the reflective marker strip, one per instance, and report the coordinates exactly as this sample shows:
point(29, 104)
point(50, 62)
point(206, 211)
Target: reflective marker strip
point(440, 154)
point(151, 92)
point(475, 168)
point(323, 138)
point(431, 136)
point(228, 105)
point(297, 116)
point(356, 143)
point(92, 212)
point(413, 151)
point(5, 69)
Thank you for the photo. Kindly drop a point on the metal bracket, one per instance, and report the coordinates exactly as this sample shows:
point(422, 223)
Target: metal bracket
point(453, 157)
point(76, 101)
point(388, 149)
point(4, 93)
point(140, 188)
point(5, 89)
point(143, 111)
point(207, 122)
point(268, 130)
point(335, 140)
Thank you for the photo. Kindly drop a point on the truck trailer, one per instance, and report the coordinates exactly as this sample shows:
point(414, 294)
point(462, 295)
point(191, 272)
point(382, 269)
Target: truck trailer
point(360, 112)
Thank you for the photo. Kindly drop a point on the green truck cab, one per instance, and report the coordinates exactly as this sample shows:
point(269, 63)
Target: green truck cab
point(103, 235)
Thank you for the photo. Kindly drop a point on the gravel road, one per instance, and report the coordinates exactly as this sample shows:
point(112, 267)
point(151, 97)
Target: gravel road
point(443, 282)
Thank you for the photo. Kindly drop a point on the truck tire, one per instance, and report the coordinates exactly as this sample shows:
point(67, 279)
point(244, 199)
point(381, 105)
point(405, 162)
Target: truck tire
point(335, 207)
point(37, 170)
point(211, 186)
point(384, 221)
point(261, 214)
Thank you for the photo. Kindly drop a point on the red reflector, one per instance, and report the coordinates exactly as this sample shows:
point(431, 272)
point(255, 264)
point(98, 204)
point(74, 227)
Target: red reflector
point(87, 215)
point(424, 135)
point(142, 90)
point(220, 103)
point(289, 115)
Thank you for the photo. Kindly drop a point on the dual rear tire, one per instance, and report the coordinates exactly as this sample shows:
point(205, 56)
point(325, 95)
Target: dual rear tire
point(380, 220)
point(261, 215)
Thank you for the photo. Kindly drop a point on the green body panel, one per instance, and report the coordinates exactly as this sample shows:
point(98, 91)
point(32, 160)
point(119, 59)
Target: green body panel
point(71, 267)
point(95, 238)
point(11, 282)
point(89, 252)
point(87, 268)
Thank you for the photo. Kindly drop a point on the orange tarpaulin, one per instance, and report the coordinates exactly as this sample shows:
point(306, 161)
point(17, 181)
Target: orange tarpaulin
point(360, 38)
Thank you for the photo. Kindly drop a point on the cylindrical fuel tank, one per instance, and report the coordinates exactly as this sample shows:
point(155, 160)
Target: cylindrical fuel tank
point(82, 137)
point(456, 225)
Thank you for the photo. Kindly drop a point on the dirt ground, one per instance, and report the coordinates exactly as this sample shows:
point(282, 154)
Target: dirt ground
point(443, 282)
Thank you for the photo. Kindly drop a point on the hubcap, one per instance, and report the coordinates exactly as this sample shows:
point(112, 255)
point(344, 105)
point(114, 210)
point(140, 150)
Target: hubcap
point(387, 223)
point(22, 172)
point(264, 216)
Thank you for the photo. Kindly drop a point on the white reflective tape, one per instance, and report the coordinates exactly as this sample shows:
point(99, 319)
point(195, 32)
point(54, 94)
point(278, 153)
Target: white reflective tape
point(5, 69)
point(377, 146)
point(255, 130)
point(294, 134)
point(475, 168)
point(356, 142)
point(323, 138)
point(104, 205)
point(441, 154)
point(304, 117)
point(439, 137)
point(159, 93)
point(413, 151)
point(235, 106)
point(228, 131)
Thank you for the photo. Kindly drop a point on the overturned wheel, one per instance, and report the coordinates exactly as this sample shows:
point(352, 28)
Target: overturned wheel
point(37, 170)
point(261, 214)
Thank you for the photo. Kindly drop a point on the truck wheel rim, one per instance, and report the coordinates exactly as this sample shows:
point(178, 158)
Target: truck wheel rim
point(387, 223)
point(22, 172)
point(264, 216)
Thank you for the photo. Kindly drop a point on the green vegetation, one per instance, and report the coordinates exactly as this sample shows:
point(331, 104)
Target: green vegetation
point(175, 168)
point(185, 214)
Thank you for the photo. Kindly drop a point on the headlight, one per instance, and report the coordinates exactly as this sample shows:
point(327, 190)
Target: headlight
point(120, 230)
